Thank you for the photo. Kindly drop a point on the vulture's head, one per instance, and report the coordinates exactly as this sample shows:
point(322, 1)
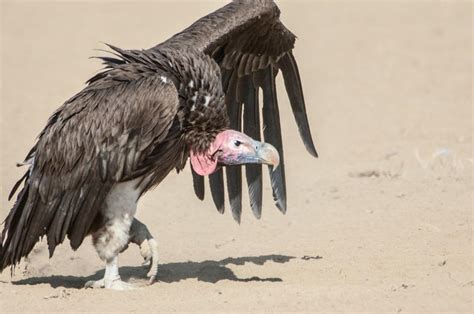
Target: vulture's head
point(233, 148)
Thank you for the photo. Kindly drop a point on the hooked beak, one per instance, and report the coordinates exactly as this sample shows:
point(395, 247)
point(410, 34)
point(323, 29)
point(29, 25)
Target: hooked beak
point(267, 154)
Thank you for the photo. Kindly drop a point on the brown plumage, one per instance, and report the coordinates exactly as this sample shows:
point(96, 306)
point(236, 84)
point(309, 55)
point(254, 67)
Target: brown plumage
point(140, 117)
point(250, 44)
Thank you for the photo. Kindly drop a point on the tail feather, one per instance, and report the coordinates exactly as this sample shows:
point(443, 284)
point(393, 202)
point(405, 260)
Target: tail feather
point(10, 252)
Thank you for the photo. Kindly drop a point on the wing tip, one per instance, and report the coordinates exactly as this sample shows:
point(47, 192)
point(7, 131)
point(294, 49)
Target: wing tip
point(198, 184)
point(237, 217)
point(236, 207)
point(255, 197)
point(216, 183)
point(312, 150)
point(281, 205)
point(220, 209)
point(257, 212)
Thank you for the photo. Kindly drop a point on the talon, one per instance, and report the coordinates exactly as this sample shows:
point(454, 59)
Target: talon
point(152, 280)
point(152, 274)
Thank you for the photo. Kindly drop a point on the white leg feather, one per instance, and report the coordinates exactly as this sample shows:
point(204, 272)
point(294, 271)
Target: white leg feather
point(113, 237)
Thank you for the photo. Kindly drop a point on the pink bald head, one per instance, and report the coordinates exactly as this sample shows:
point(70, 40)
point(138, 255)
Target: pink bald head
point(231, 147)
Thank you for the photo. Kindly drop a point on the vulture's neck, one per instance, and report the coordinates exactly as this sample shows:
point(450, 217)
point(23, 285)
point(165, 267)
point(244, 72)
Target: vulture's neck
point(198, 81)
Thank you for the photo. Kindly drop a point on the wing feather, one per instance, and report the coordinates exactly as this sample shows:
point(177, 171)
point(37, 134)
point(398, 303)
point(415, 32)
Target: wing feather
point(198, 184)
point(251, 123)
point(249, 42)
point(234, 173)
point(272, 135)
point(92, 142)
point(294, 88)
point(216, 182)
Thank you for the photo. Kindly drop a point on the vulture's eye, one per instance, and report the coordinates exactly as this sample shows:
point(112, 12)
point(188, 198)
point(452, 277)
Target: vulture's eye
point(237, 143)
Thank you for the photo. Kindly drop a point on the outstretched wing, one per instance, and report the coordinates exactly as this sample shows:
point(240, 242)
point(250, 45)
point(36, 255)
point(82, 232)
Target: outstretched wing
point(251, 45)
point(117, 129)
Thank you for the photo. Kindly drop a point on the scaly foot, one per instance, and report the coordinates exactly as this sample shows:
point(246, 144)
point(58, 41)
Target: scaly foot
point(149, 252)
point(140, 235)
point(119, 285)
point(113, 285)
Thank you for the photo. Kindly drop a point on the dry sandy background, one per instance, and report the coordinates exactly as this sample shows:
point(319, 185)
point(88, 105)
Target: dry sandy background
point(385, 212)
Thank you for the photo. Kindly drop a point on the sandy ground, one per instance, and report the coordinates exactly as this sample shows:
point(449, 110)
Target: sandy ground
point(382, 221)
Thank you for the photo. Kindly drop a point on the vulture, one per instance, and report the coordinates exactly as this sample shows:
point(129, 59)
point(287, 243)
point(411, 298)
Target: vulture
point(195, 96)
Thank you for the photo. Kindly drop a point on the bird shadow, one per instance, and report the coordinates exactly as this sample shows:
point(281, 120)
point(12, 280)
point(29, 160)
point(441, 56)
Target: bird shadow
point(206, 271)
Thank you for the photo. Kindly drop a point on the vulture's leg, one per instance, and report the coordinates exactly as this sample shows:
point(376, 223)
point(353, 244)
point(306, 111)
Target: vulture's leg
point(110, 239)
point(141, 236)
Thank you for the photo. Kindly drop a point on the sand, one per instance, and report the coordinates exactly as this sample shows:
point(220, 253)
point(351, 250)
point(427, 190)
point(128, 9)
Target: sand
point(382, 221)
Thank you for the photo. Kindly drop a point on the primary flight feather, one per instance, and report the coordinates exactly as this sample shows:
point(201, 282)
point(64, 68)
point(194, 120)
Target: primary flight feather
point(144, 115)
